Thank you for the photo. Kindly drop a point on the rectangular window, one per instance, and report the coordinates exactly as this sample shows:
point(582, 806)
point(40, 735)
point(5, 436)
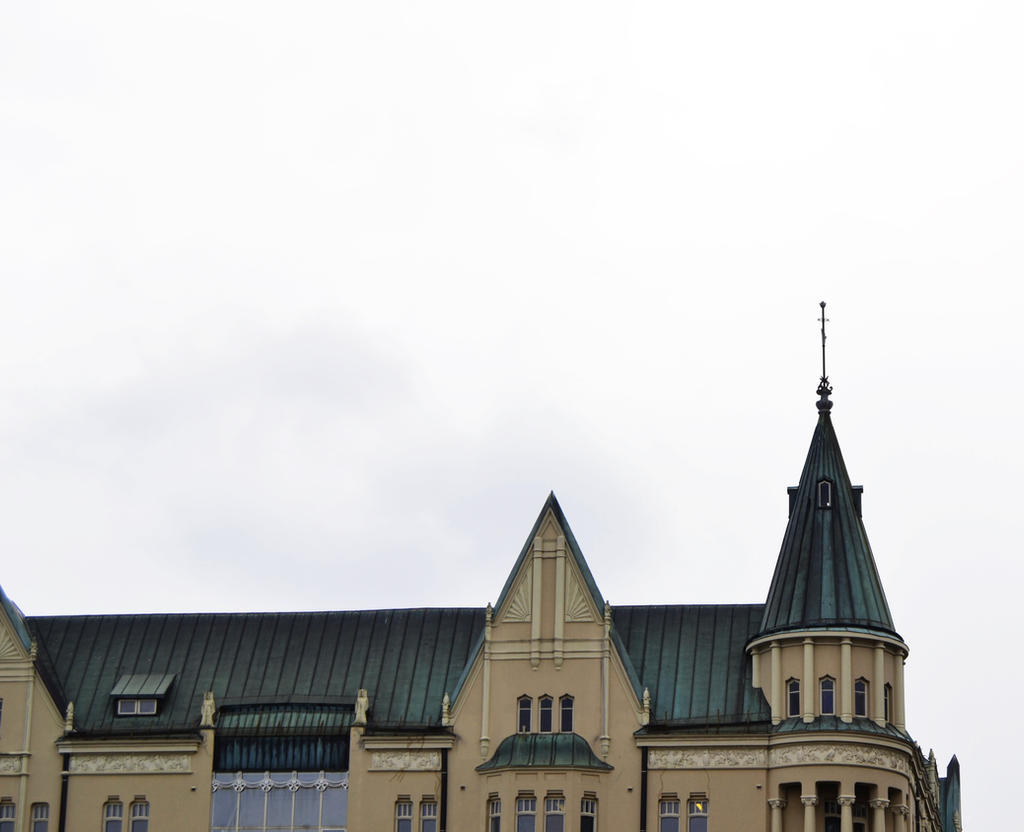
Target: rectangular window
point(566, 708)
point(403, 816)
point(40, 817)
point(697, 812)
point(588, 815)
point(554, 814)
point(112, 815)
point(136, 707)
point(525, 714)
point(886, 696)
point(668, 815)
point(494, 815)
point(428, 816)
point(7, 814)
point(526, 814)
point(140, 817)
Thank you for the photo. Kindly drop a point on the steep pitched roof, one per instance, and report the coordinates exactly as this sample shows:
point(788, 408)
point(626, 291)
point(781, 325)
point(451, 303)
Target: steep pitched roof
point(692, 659)
point(16, 618)
point(826, 575)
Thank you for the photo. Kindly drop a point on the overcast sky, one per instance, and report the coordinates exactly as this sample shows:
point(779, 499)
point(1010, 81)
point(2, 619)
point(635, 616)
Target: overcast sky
point(310, 305)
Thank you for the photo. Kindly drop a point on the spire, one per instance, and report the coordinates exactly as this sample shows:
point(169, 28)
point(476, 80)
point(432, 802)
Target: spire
point(826, 574)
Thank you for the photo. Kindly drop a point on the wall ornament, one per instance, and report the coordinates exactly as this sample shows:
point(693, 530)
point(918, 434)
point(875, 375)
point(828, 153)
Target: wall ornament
point(406, 761)
point(116, 763)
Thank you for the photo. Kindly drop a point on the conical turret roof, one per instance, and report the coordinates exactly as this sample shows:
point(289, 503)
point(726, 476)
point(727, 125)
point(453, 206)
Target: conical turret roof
point(826, 575)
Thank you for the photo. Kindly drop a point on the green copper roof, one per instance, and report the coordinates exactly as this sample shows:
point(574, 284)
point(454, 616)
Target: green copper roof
point(826, 574)
point(949, 796)
point(544, 751)
point(692, 659)
point(17, 619)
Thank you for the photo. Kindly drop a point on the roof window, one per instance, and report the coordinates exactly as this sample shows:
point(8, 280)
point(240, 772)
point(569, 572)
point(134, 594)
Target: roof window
point(824, 494)
point(137, 694)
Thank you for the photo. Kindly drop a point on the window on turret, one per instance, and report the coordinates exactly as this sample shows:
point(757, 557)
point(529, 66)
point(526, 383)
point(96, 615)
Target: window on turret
point(828, 696)
point(565, 704)
point(824, 494)
point(525, 714)
point(860, 697)
point(886, 698)
point(546, 713)
point(793, 696)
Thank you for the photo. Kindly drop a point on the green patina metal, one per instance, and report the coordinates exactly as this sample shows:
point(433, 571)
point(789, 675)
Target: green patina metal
point(826, 574)
point(544, 751)
point(289, 737)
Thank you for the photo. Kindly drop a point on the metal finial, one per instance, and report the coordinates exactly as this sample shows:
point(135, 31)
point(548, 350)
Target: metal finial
point(824, 388)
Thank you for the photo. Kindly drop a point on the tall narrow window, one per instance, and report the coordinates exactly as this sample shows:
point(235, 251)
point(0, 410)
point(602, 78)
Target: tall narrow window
point(494, 815)
point(403, 816)
point(428, 816)
point(828, 696)
point(545, 711)
point(40, 817)
point(113, 813)
point(668, 816)
point(588, 815)
point(886, 699)
point(697, 816)
point(565, 706)
point(7, 814)
point(525, 714)
point(554, 814)
point(793, 696)
point(140, 816)
point(526, 814)
point(824, 494)
point(860, 697)
point(1, 712)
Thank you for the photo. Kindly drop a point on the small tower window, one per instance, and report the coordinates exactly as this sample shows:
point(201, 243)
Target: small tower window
point(860, 697)
point(886, 698)
point(525, 714)
point(824, 494)
point(828, 696)
point(546, 708)
point(793, 696)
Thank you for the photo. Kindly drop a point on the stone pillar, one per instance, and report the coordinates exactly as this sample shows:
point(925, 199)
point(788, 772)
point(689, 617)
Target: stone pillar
point(808, 683)
point(776, 697)
point(901, 812)
point(899, 705)
point(878, 807)
point(809, 801)
point(878, 686)
point(845, 802)
point(777, 804)
point(846, 680)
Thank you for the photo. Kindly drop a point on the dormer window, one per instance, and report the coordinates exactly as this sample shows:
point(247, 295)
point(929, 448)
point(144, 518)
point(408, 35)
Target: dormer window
point(138, 694)
point(824, 494)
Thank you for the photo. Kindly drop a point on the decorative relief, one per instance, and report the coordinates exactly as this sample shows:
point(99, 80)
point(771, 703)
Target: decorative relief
point(862, 755)
point(577, 608)
point(10, 764)
point(129, 763)
point(707, 758)
point(8, 649)
point(406, 761)
point(521, 605)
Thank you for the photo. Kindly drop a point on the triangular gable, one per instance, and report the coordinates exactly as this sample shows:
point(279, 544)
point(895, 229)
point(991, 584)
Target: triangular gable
point(15, 640)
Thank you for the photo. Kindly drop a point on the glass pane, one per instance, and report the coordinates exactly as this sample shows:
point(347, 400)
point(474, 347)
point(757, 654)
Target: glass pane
point(307, 808)
point(495, 824)
point(110, 826)
point(554, 823)
point(567, 714)
point(147, 706)
point(225, 807)
point(669, 825)
point(39, 825)
point(429, 825)
point(546, 707)
point(525, 823)
point(140, 825)
point(335, 803)
point(699, 824)
point(250, 811)
point(404, 825)
point(524, 716)
point(279, 807)
point(587, 823)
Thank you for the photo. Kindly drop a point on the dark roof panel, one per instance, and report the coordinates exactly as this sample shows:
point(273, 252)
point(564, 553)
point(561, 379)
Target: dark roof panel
point(544, 751)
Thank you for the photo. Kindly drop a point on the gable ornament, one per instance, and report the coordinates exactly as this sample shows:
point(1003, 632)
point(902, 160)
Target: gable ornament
point(362, 706)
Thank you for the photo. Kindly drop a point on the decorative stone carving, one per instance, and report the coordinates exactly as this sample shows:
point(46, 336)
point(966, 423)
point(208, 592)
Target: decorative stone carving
point(809, 800)
point(446, 711)
point(362, 706)
point(115, 763)
point(577, 606)
point(706, 758)
point(521, 606)
point(406, 761)
point(209, 708)
point(645, 714)
point(10, 764)
point(69, 718)
point(8, 649)
point(846, 754)
point(846, 800)
point(901, 810)
point(777, 802)
point(878, 803)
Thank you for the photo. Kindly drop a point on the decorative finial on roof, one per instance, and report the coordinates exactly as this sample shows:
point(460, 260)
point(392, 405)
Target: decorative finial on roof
point(824, 388)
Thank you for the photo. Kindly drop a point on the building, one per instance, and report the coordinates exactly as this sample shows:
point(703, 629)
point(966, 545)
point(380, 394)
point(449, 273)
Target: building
point(549, 711)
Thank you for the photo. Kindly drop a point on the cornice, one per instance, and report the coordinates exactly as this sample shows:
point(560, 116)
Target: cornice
point(824, 636)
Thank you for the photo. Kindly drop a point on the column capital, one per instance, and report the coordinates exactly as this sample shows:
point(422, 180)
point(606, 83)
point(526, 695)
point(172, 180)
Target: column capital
point(879, 803)
point(809, 799)
point(901, 810)
point(776, 802)
point(846, 800)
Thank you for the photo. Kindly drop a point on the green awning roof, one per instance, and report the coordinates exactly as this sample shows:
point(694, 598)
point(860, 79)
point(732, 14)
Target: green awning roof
point(544, 751)
point(284, 720)
point(143, 684)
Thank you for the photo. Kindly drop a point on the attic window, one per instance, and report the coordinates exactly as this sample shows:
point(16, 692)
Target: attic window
point(137, 694)
point(824, 494)
point(136, 707)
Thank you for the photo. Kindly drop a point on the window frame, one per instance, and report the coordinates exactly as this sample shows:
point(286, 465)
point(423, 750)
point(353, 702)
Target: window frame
point(793, 689)
point(861, 697)
point(113, 816)
point(566, 707)
point(133, 706)
point(526, 807)
point(824, 494)
point(40, 815)
point(697, 810)
point(403, 815)
point(428, 815)
point(494, 814)
point(138, 816)
point(887, 702)
point(546, 708)
point(588, 811)
point(524, 707)
point(554, 807)
point(8, 815)
point(668, 810)
point(831, 690)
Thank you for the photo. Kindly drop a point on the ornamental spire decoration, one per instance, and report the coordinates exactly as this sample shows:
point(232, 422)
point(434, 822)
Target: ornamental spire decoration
point(824, 388)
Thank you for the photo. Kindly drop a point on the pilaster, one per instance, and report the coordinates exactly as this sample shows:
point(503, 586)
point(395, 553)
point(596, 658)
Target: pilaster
point(846, 680)
point(878, 686)
point(808, 682)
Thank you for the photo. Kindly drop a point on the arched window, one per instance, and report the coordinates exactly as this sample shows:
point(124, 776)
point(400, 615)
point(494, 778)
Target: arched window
point(860, 697)
point(697, 816)
point(565, 707)
point(403, 816)
point(140, 816)
point(828, 696)
point(824, 494)
point(525, 714)
point(494, 815)
point(545, 710)
point(793, 696)
point(113, 814)
point(886, 699)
